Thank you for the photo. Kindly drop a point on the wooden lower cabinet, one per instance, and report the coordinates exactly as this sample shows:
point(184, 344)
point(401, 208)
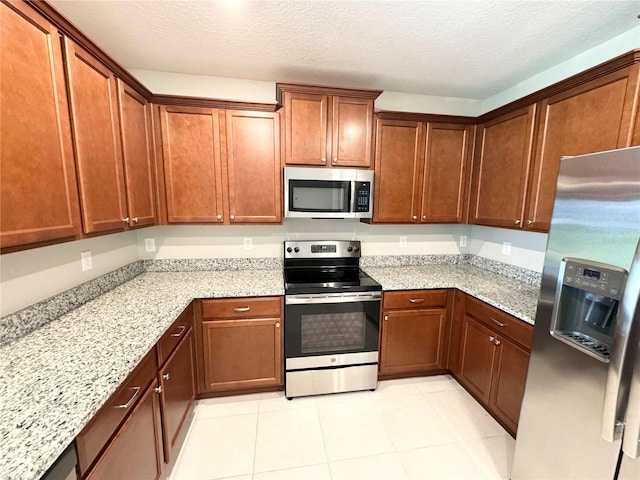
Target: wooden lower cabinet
point(493, 360)
point(413, 339)
point(136, 451)
point(178, 391)
point(241, 341)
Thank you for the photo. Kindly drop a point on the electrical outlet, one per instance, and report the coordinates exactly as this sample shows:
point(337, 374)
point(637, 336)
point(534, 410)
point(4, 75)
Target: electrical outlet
point(403, 242)
point(150, 244)
point(506, 248)
point(87, 262)
point(248, 243)
point(463, 240)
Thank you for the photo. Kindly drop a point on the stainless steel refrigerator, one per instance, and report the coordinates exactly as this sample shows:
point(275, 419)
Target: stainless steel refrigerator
point(580, 416)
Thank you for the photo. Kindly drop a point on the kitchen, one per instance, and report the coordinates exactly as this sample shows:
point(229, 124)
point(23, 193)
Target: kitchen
point(57, 268)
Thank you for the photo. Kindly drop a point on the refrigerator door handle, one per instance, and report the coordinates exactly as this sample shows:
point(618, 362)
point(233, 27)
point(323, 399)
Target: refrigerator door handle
point(625, 342)
point(631, 439)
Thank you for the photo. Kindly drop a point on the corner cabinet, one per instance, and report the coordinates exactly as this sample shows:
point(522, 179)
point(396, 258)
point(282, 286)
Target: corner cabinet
point(494, 358)
point(326, 126)
point(414, 332)
point(38, 193)
point(240, 344)
point(220, 166)
point(422, 171)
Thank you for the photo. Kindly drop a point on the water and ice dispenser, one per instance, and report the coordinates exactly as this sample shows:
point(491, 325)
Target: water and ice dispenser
point(586, 305)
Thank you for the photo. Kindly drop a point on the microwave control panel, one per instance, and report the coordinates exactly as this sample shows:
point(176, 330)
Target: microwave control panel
point(363, 196)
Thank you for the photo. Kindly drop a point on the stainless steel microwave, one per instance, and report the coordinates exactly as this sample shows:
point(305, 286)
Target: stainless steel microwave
point(328, 193)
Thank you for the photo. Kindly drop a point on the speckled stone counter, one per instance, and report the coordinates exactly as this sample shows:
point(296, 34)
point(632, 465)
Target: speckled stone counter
point(514, 297)
point(55, 379)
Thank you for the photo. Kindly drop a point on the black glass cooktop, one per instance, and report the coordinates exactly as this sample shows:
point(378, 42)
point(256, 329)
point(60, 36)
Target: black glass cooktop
point(320, 280)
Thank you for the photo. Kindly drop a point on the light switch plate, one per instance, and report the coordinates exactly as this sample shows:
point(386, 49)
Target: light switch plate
point(248, 243)
point(403, 242)
point(463, 240)
point(87, 262)
point(506, 248)
point(150, 244)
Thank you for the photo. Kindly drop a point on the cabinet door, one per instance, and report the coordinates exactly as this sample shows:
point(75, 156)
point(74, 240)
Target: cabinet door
point(305, 128)
point(446, 172)
point(352, 136)
point(191, 155)
point(135, 132)
point(412, 341)
point(177, 379)
point(503, 153)
point(135, 452)
point(509, 378)
point(253, 167)
point(399, 157)
point(477, 357)
point(94, 113)
point(589, 118)
point(242, 353)
point(38, 193)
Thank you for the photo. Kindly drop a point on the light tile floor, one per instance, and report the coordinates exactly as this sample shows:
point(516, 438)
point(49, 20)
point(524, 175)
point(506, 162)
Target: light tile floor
point(416, 428)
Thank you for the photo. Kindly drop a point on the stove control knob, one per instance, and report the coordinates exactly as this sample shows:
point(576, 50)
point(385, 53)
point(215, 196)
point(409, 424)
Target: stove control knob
point(356, 248)
point(289, 249)
point(349, 249)
point(297, 249)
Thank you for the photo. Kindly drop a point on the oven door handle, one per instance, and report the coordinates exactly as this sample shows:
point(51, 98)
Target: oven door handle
point(332, 298)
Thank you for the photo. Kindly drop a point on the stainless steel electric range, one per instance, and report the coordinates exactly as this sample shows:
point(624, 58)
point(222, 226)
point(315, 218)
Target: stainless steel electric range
point(331, 319)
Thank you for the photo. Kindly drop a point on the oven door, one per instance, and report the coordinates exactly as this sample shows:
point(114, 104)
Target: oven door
point(331, 324)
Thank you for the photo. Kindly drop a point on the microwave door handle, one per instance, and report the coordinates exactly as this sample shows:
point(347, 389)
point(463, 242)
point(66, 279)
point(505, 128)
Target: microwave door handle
point(625, 339)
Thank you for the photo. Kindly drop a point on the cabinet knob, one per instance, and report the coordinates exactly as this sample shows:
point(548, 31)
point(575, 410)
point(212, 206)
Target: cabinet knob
point(324, 160)
point(424, 217)
point(517, 222)
point(277, 324)
point(125, 219)
point(219, 217)
point(335, 160)
point(497, 342)
point(491, 339)
point(415, 217)
point(166, 376)
point(232, 217)
point(529, 222)
point(158, 389)
point(135, 219)
point(386, 317)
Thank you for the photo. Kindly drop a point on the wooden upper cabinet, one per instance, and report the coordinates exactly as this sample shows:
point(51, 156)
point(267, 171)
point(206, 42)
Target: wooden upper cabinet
point(306, 128)
point(253, 166)
point(38, 193)
point(94, 114)
point(327, 126)
point(191, 161)
point(422, 171)
point(446, 172)
point(137, 151)
point(503, 157)
point(592, 117)
point(399, 162)
point(352, 135)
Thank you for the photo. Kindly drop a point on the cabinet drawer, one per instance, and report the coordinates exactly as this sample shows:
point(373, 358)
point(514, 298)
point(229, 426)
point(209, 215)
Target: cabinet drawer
point(242, 307)
point(174, 334)
point(104, 424)
point(501, 322)
point(415, 299)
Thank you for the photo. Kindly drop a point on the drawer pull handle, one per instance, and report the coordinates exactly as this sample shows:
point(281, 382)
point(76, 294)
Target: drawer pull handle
point(136, 392)
point(416, 300)
point(500, 324)
point(242, 309)
point(180, 331)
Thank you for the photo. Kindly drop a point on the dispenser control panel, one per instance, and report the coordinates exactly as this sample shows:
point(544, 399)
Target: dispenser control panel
point(595, 277)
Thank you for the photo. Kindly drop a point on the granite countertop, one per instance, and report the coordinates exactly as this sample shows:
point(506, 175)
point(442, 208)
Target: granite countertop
point(53, 380)
point(512, 296)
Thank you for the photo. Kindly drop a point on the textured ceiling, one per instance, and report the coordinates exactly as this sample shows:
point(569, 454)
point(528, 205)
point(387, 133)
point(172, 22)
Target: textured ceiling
point(458, 48)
